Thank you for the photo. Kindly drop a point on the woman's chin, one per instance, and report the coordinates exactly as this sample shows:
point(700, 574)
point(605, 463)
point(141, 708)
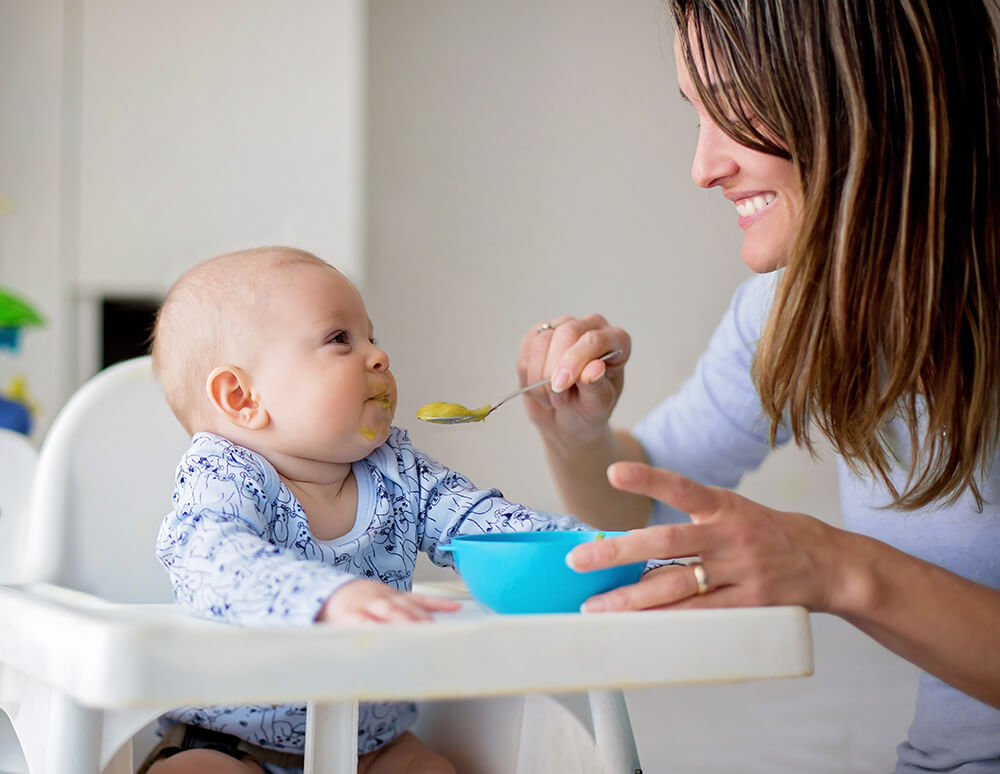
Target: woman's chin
point(761, 261)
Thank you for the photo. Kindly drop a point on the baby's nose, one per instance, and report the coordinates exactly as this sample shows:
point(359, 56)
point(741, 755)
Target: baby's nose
point(379, 359)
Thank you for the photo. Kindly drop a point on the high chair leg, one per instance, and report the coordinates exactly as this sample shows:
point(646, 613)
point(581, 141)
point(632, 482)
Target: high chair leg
point(76, 733)
point(331, 738)
point(613, 733)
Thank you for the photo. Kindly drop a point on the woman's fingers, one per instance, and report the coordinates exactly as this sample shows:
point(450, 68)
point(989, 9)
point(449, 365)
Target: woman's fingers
point(535, 350)
point(577, 345)
point(657, 588)
point(671, 488)
point(749, 554)
point(664, 541)
point(668, 586)
point(566, 350)
point(668, 541)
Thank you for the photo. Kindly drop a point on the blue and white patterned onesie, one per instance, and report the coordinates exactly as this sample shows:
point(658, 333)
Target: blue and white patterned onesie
point(238, 548)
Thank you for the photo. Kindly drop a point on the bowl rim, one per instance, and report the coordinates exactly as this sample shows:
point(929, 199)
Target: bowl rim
point(534, 536)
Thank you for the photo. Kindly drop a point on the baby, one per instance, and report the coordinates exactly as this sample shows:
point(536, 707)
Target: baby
point(298, 501)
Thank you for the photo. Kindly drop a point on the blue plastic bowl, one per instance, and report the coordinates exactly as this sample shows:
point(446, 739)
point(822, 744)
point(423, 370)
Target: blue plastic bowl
point(526, 572)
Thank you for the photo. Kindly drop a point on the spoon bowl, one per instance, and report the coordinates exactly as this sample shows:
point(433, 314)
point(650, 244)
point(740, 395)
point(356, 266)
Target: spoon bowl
point(441, 413)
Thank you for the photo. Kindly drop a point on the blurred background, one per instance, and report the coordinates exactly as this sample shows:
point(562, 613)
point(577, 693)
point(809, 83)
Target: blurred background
point(476, 168)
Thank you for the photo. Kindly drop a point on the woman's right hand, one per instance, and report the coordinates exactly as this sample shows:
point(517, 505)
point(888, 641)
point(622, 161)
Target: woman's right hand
point(575, 408)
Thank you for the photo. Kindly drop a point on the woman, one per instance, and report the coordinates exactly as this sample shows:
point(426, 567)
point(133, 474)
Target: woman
point(859, 141)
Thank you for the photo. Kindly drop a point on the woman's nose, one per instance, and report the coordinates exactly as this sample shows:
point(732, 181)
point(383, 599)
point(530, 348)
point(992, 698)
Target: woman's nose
point(713, 161)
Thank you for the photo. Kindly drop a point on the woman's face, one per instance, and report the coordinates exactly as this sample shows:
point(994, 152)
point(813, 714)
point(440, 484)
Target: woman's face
point(764, 189)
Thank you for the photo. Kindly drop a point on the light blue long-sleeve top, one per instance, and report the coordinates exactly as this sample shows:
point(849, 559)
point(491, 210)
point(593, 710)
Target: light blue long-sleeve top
point(238, 548)
point(713, 431)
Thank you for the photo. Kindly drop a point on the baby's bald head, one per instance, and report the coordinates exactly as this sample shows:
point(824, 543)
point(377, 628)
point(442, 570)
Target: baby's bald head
point(214, 314)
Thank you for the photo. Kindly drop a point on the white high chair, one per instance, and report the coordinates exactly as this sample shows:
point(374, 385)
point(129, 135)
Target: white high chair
point(18, 457)
point(102, 487)
point(92, 648)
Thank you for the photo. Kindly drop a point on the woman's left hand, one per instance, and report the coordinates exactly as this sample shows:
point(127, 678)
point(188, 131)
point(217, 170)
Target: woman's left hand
point(751, 555)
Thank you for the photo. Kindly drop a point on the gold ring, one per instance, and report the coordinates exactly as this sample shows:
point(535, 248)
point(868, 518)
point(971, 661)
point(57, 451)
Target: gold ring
point(700, 577)
point(545, 327)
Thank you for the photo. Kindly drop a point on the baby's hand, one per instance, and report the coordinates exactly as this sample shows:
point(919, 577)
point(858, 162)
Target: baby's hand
point(365, 601)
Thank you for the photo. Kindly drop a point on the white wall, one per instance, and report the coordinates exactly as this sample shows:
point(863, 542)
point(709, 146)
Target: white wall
point(140, 138)
point(524, 159)
point(209, 125)
point(530, 160)
point(31, 109)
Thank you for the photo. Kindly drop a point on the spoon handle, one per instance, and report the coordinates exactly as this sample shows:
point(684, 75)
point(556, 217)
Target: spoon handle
point(518, 391)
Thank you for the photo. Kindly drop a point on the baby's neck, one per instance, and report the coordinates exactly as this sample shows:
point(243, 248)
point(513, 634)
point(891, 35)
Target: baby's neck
point(329, 499)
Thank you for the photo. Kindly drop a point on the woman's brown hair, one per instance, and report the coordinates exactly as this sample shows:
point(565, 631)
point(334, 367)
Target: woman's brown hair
point(889, 305)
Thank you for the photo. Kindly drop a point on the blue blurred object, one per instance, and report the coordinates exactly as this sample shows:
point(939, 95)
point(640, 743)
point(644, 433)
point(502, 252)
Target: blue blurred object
point(15, 416)
point(526, 572)
point(10, 337)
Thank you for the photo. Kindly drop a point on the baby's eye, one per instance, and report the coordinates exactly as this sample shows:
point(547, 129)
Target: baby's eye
point(373, 340)
point(340, 337)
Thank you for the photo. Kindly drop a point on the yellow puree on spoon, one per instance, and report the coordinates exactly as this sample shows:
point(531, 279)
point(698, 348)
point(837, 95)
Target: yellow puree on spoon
point(439, 410)
point(456, 413)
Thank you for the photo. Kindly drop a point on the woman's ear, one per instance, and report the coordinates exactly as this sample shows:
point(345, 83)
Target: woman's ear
point(230, 393)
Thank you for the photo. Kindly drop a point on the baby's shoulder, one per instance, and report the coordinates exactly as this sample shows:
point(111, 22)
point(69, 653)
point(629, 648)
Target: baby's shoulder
point(215, 457)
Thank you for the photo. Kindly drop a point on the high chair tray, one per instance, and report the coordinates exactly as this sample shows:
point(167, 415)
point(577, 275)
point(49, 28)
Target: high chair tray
point(108, 655)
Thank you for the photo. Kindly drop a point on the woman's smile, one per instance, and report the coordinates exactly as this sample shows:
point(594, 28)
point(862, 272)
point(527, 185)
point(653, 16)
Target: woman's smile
point(751, 205)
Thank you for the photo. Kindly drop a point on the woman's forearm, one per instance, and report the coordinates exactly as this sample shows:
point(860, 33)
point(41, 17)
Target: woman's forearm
point(945, 624)
point(580, 475)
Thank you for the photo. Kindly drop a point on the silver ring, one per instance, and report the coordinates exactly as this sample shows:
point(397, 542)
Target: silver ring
point(545, 327)
point(700, 577)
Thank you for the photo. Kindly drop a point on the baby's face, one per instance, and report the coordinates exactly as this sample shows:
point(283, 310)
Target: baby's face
point(326, 386)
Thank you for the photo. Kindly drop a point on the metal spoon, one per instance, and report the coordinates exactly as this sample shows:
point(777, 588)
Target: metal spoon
point(454, 413)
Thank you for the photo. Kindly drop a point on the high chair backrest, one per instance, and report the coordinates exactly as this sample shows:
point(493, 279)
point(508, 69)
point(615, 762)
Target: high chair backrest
point(102, 486)
point(18, 459)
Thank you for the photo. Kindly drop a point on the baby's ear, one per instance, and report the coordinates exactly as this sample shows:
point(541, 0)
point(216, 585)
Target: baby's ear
point(230, 393)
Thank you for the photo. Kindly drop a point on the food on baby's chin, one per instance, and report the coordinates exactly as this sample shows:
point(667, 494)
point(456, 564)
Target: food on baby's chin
point(368, 433)
point(440, 410)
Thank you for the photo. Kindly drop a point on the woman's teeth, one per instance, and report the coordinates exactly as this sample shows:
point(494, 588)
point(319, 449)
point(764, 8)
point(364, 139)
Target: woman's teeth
point(754, 204)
